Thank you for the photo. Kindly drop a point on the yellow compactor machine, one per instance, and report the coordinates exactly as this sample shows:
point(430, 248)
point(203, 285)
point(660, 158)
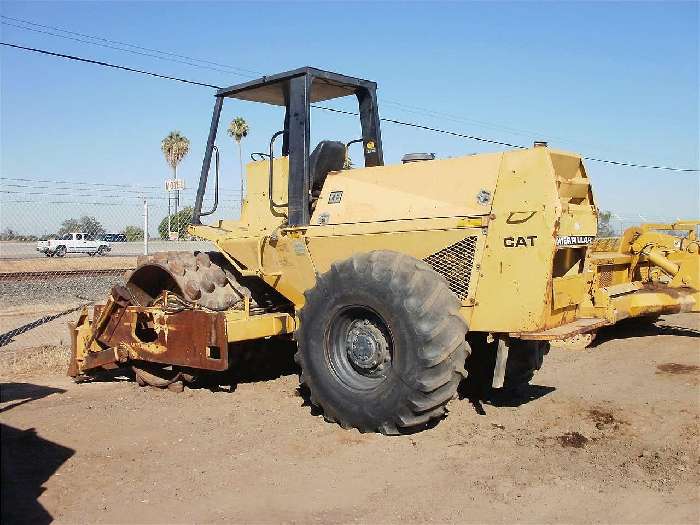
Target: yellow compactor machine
point(385, 275)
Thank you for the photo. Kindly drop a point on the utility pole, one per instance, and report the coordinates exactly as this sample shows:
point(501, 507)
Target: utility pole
point(177, 196)
point(173, 202)
point(169, 199)
point(145, 226)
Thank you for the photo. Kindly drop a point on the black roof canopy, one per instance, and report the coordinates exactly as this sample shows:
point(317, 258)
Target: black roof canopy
point(325, 85)
point(296, 91)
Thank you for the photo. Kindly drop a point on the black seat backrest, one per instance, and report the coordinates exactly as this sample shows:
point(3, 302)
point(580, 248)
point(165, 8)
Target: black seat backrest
point(328, 156)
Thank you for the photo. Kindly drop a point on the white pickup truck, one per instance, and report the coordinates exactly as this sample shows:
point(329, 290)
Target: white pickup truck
point(73, 243)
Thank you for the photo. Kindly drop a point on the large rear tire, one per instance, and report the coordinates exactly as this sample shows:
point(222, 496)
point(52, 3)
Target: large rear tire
point(381, 343)
point(60, 251)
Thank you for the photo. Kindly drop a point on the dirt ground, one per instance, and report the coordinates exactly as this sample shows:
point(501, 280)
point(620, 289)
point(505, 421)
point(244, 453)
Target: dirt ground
point(607, 435)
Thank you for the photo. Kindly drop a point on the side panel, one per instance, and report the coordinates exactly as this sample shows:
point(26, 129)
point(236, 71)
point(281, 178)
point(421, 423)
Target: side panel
point(452, 253)
point(288, 267)
point(419, 244)
point(283, 261)
point(439, 188)
point(257, 215)
point(290, 260)
point(514, 289)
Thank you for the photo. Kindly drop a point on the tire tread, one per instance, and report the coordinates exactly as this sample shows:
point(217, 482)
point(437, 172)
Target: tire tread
point(439, 329)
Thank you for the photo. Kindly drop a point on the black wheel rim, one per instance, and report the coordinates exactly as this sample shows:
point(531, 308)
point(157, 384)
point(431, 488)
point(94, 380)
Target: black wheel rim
point(359, 347)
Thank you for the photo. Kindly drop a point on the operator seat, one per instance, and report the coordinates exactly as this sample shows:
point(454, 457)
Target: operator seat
point(328, 156)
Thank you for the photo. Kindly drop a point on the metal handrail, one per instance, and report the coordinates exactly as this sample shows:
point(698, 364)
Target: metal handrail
point(216, 184)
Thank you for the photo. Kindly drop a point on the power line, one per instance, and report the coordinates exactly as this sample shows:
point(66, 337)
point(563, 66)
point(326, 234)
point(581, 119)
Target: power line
point(634, 165)
point(63, 182)
point(88, 183)
point(107, 64)
point(110, 203)
point(249, 72)
point(29, 201)
point(402, 106)
point(141, 53)
point(390, 120)
point(405, 107)
point(121, 198)
point(500, 143)
point(418, 110)
point(459, 119)
point(426, 128)
point(134, 198)
point(82, 194)
point(137, 192)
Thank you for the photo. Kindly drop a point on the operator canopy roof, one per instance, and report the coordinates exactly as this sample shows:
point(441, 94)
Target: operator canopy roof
point(272, 89)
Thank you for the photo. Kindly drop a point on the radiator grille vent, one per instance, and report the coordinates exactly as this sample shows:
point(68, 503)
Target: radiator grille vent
point(605, 278)
point(455, 263)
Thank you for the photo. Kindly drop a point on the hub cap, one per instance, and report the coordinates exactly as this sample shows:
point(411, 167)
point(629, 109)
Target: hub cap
point(359, 347)
point(367, 348)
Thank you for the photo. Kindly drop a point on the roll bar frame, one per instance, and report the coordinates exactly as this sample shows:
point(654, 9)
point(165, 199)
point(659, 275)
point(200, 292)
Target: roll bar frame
point(297, 90)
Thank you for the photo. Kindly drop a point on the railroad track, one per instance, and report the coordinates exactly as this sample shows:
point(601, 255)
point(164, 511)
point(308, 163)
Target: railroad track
point(39, 275)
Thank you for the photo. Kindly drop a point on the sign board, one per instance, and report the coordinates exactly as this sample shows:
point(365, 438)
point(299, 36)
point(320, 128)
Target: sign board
point(174, 184)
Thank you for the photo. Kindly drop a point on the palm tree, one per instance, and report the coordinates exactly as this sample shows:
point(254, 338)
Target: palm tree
point(238, 130)
point(175, 147)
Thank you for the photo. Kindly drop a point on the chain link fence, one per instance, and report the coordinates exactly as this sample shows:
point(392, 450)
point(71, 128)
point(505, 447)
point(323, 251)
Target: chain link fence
point(63, 246)
point(42, 287)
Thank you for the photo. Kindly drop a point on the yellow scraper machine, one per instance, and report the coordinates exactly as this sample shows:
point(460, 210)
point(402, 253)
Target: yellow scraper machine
point(385, 276)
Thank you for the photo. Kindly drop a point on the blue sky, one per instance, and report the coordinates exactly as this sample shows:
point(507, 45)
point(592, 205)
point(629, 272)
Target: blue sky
point(612, 80)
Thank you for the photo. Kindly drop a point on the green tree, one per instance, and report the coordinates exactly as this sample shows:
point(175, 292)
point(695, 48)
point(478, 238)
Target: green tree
point(347, 163)
point(8, 234)
point(85, 224)
point(238, 130)
point(133, 233)
point(605, 229)
point(178, 223)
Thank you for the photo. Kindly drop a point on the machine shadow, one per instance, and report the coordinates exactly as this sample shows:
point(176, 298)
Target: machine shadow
point(477, 386)
point(28, 460)
point(522, 396)
point(640, 327)
point(480, 393)
point(24, 393)
point(252, 362)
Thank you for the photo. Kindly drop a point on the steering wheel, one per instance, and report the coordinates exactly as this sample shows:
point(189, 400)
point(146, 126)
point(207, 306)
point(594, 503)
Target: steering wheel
point(256, 157)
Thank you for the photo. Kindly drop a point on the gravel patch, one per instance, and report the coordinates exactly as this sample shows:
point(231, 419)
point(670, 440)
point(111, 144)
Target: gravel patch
point(33, 291)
